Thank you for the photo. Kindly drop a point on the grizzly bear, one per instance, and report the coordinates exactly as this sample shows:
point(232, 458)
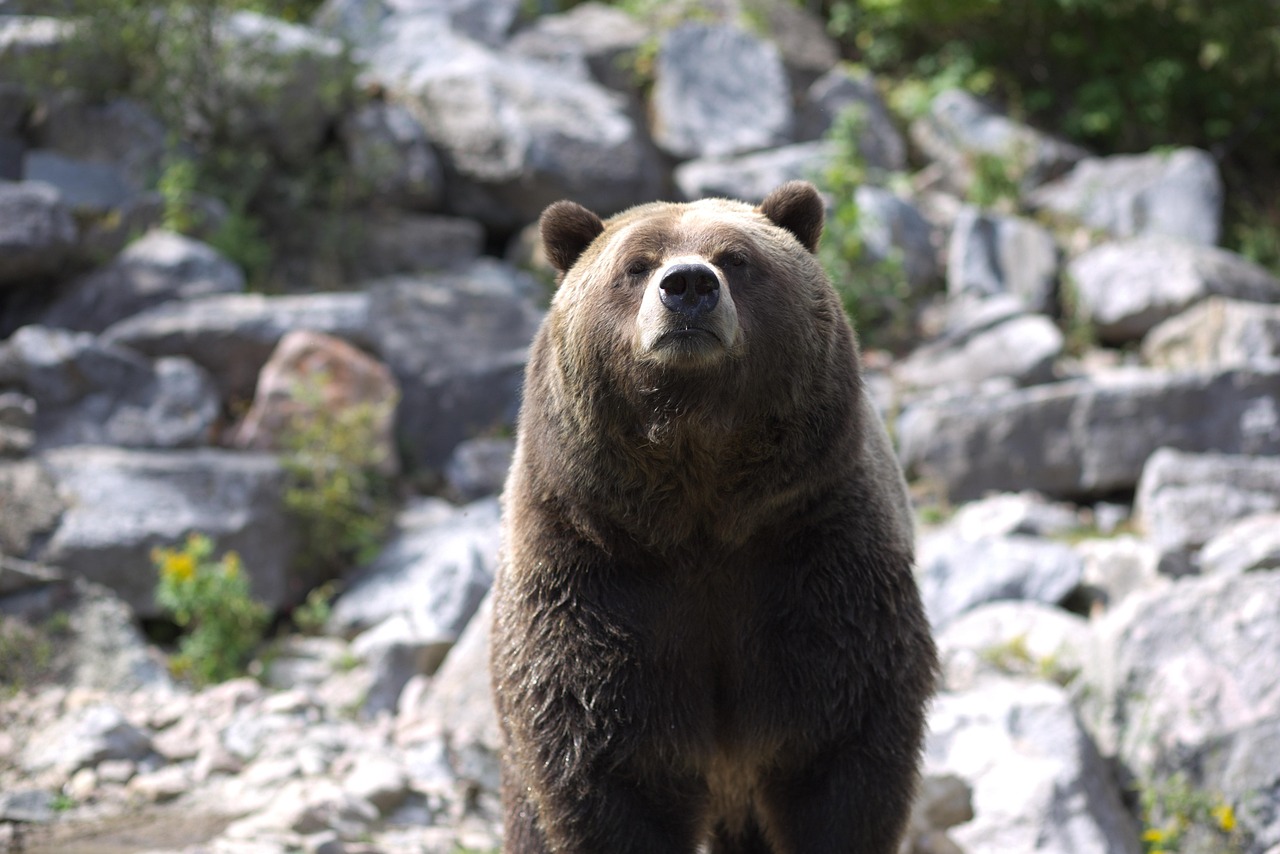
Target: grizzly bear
point(707, 634)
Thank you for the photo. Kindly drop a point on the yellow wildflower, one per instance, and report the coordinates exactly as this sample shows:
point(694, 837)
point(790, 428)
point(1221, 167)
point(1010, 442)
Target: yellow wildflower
point(1225, 816)
point(179, 566)
point(231, 564)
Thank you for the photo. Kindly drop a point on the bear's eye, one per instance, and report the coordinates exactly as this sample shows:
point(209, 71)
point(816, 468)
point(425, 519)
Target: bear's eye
point(638, 267)
point(735, 258)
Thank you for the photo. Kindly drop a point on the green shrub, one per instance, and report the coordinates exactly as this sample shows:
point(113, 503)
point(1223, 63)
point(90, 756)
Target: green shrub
point(333, 457)
point(1174, 813)
point(1116, 75)
point(166, 54)
point(210, 600)
point(875, 292)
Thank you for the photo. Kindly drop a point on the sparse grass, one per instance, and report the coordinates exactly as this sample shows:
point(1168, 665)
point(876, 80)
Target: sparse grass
point(1174, 813)
point(1015, 658)
point(341, 501)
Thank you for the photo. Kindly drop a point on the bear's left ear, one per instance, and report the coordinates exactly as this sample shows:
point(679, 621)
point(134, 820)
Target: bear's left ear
point(797, 207)
point(567, 230)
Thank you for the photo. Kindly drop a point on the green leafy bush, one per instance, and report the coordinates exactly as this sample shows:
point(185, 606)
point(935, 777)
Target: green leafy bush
point(1177, 816)
point(1116, 75)
point(167, 54)
point(875, 292)
point(336, 492)
point(210, 600)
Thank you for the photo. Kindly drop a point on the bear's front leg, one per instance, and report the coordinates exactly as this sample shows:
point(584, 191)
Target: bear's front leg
point(608, 813)
point(853, 799)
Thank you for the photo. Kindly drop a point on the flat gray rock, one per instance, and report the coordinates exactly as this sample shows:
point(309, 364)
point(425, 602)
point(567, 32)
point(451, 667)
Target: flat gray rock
point(517, 133)
point(457, 344)
point(718, 91)
point(433, 572)
point(957, 574)
point(158, 267)
point(1085, 437)
point(1214, 334)
point(1185, 499)
point(1184, 670)
point(990, 254)
point(122, 504)
point(959, 129)
point(1251, 544)
point(1126, 287)
point(37, 232)
point(1039, 783)
point(93, 735)
point(1021, 348)
point(233, 335)
point(1174, 193)
point(89, 392)
point(840, 90)
point(751, 177)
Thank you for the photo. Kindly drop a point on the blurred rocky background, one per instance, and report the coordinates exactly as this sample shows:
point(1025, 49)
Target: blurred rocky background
point(267, 283)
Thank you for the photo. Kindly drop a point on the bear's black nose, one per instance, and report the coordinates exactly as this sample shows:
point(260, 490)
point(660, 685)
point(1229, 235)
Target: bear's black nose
point(691, 289)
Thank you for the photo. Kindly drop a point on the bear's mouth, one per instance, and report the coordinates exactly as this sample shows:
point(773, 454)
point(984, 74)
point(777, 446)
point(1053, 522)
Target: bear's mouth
point(687, 337)
point(687, 346)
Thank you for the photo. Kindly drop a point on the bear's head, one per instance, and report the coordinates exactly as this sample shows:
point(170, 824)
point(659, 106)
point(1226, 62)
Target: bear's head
point(695, 369)
point(714, 293)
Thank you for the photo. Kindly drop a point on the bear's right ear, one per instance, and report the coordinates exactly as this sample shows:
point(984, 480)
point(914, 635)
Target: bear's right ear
point(567, 230)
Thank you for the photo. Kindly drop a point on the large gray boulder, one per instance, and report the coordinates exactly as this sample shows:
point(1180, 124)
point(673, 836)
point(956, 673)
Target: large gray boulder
point(842, 90)
point(893, 229)
point(37, 232)
point(1215, 334)
point(31, 505)
point(233, 335)
point(454, 723)
point(122, 504)
point(395, 241)
point(1184, 500)
point(960, 130)
point(408, 607)
point(719, 91)
point(990, 254)
point(89, 392)
point(516, 134)
point(1018, 347)
point(120, 132)
point(390, 158)
point(592, 38)
point(283, 85)
point(88, 188)
point(367, 23)
point(1187, 674)
point(1039, 783)
point(1086, 437)
point(1125, 288)
point(1175, 193)
point(1251, 544)
point(156, 268)
point(434, 570)
point(750, 177)
point(457, 343)
point(958, 574)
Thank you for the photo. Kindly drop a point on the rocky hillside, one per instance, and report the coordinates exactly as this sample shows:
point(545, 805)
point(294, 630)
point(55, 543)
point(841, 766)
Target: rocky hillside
point(1088, 408)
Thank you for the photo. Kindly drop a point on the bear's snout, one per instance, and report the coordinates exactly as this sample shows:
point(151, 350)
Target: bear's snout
point(690, 289)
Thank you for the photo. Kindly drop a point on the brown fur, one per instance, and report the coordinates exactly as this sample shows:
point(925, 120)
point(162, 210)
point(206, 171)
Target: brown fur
point(706, 625)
